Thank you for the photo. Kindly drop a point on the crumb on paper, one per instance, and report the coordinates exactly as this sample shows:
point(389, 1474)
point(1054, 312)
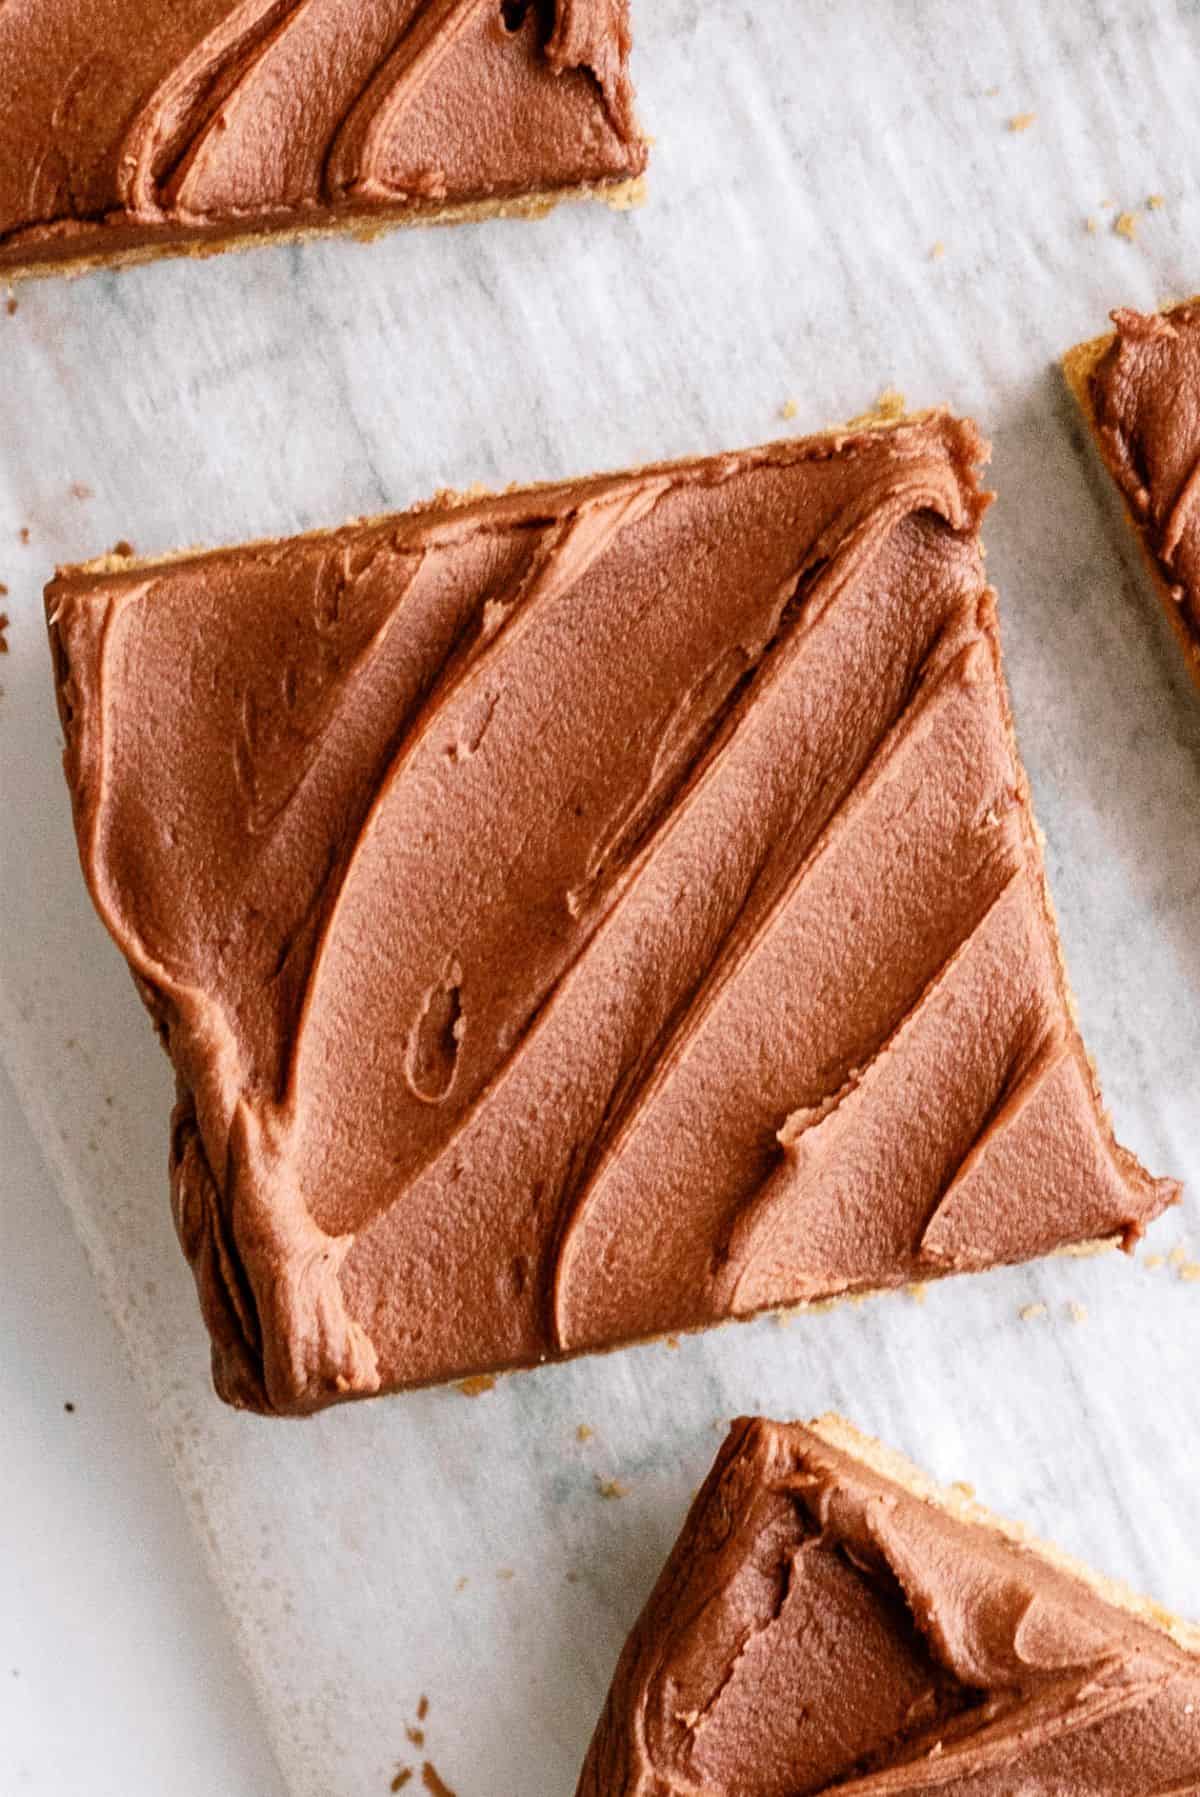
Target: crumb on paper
point(422, 1708)
point(1030, 1313)
point(403, 1774)
point(918, 1291)
point(79, 489)
point(476, 1385)
point(461, 1583)
point(123, 548)
point(1190, 1271)
point(571, 1576)
point(584, 1432)
point(611, 1488)
point(4, 622)
point(1021, 121)
point(788, 409)
point(1076, 1311)
point(505, 1574)
point(937, 251)
point(1090, 226)
point(69, 1407)
point(890, 406)
point(1155, 202)
point(23, 533)
point(415, 1736)
point(1154, 1261)
point(964, 1488)
point(10, 305)
point(432, 1782)
point(1125, 225)
point(1178, 1254)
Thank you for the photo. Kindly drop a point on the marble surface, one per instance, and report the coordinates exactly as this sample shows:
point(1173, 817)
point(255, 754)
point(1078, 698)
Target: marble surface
point(116, 1671)
point(838, 204)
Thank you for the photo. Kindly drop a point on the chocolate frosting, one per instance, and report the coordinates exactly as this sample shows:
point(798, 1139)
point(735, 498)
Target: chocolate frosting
point(1145, 394)
point(821, 1626)
point(586, 913)
point(133, 121)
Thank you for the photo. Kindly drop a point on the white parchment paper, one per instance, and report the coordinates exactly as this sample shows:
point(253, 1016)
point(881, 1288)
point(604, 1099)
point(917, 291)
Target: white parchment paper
point(838, 204)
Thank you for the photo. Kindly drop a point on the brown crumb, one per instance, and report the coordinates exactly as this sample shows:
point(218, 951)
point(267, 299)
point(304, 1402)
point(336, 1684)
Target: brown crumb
point(1030, 1313)
point(611, 1488)
point(123, 548)
point(69, 1408)
point(476, 1385)
point(1077, 1312)
point(1090, 226)
point(80, 490)
point(23, 533)
point(505, 1573)
point(1021, 121)
point(460, 1584)
point(415, 1735)
point(432, 1782)
point(10, 305)
point(788, 409)
point(3, 590)
point(1155, 202)
point(1125, 225)
point(1154, 1262)
point(3, 630)
point(584, 1432)
point(403, 1774)
point(918, 1291)
point(938, 251)
point(422, 1708)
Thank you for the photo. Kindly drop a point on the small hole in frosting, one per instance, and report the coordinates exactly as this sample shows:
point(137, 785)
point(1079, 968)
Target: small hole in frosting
point(514, 13)
point(434, 1042)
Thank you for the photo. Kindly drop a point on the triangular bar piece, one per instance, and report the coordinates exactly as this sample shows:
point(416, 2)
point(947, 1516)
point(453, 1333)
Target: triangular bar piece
point(584, 914)
point(830, 1621)
point(1139, 390)
point(215, 121)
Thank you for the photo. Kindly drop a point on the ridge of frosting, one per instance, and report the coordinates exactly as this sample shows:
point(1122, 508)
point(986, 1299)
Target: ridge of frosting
point(586, 913)
point(127, 123)
point(823, 1625)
